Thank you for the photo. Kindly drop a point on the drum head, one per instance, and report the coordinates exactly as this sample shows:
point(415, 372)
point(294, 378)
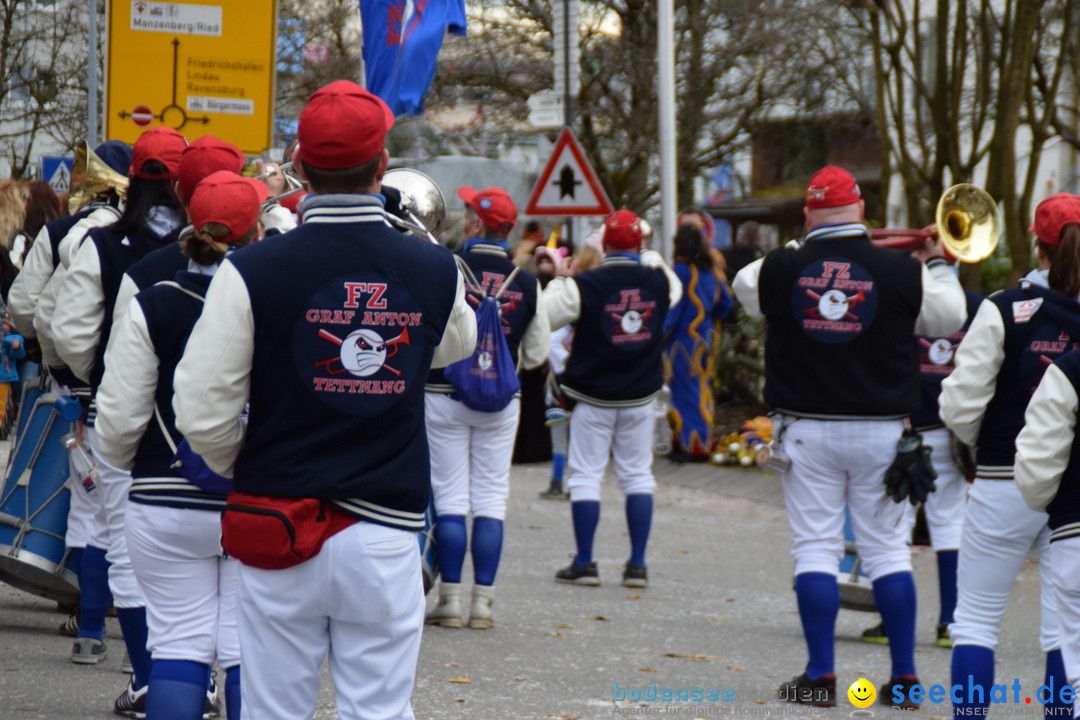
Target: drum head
point(37, 575)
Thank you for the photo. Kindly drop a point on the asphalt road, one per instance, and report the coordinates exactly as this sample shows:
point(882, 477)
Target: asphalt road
point(719, 616)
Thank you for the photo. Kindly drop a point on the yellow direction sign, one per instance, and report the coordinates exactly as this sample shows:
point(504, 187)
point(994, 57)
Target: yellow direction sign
point(203, 67)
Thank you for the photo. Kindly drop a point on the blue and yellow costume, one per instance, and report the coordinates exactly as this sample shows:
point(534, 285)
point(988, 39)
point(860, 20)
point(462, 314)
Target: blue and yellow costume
point(692, 327)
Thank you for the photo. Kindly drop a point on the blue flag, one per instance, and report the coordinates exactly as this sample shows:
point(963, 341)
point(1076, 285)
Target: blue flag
point(401, 45)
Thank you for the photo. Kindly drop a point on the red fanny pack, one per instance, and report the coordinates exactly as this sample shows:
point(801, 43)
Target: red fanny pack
point(275, 532)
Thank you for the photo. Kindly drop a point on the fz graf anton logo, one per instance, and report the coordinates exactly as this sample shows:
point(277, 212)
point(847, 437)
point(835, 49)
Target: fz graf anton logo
point(834, 300)
point(632, 314)
point(358, 337)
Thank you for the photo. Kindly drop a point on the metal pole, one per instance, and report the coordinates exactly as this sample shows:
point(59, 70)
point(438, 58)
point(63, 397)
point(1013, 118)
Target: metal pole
point(665, 50)
point(568, 110)
point(92, 74)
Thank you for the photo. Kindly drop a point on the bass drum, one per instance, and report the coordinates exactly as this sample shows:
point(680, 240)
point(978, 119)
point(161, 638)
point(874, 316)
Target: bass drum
point(34, 500)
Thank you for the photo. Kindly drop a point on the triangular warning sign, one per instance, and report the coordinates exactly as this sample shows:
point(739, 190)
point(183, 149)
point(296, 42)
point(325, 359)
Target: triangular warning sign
point(568, 185)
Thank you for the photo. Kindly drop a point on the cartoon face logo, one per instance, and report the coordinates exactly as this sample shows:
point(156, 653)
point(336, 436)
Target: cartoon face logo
point(862, 693)
point(484, 360)
point(363, 352)
point(833, 305)
point(940, 352)
point(631, 322)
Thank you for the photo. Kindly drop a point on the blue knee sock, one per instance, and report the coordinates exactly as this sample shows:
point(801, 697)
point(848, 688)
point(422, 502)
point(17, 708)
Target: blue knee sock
point(819, 601)
point(973, 671)
point(638, 519)
point(94, 595)
point(451, 539)
point(946, 572)
point(133, 626)
point(586, 515)
point(177, 690)
point(895, 598)
point(558, 465)
point(487, 539)
point(1054, 680)
point(232, 693)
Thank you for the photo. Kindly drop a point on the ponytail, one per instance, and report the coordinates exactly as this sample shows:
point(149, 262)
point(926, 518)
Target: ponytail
point(1064, 273)
point(205, 246)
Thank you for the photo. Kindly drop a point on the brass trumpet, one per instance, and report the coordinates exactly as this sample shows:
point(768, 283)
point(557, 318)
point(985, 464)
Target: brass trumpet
point(91, 179)
point(967, 220)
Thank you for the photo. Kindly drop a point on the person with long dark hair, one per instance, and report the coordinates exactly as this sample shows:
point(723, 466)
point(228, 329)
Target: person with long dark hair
point(1016, 335)
point(82, 323)
point(693, 333)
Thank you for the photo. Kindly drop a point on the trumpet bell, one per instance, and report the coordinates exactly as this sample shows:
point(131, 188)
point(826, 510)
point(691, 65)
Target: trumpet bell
point(420, 196)
point(92, 178)
point(968, 222)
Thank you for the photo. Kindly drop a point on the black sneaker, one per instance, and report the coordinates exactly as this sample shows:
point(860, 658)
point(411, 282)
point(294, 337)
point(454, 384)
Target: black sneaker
point(579, 574)
point(875, 635)
point(635, 576)
point(902, 685)
point(132, 702)
point(819, 692)
point(554, 492)
point(944, 639)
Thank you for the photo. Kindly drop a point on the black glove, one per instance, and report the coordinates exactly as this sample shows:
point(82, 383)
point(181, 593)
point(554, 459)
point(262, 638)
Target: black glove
point(911, 475)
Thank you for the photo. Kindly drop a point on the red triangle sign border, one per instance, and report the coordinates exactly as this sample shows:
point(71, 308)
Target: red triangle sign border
point(603, 206)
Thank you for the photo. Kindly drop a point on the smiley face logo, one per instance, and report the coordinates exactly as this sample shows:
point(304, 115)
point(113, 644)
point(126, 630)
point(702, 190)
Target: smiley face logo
point(862, 693)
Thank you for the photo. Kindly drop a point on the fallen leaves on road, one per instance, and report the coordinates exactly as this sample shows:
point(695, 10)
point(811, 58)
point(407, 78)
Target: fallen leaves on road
point(647, 669)
point(634, 596)
point(554, 634)
point(736, 668)
point(563, 626)
point(460, 681)
point(696, 657)
point(600, 618)
point(719, 619)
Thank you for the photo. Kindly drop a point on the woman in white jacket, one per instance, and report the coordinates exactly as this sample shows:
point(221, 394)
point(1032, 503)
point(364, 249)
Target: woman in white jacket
point(173, 526)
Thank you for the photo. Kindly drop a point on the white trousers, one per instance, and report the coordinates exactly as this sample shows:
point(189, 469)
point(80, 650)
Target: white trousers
point(116, 483)
point(838, 463)
point(999, 530)
point(470, 456)
point(86, 522)
point(623, 434)
point(944, 507)
point(361, 599)
point(189, 584)
point(1065, 576)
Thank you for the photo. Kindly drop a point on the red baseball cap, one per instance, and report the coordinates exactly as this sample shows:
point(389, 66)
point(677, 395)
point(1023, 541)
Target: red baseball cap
point(622, 230)
point(1053, 214)
point(158, 143)
point(492, 205)
point(206, 155)
point(230, 199)
point(342, 126)
point(832, 187)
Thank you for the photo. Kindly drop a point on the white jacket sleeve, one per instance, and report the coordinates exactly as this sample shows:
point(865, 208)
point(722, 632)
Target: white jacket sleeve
point(213, 379)
point(1044, 445)
point(127, 290)
point(537, 339)
point(944, 307)
point(125, 399)
point(80, 312)
point(971, 386)
point(24, 293)
point(562, 300)
point(276, 217)
point(43, 314)
point(459, 336)
point(745, 288)
point(653, 259)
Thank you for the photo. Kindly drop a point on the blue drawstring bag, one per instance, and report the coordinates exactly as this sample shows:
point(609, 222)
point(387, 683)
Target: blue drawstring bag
point(487, 380)
point(194, 469)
